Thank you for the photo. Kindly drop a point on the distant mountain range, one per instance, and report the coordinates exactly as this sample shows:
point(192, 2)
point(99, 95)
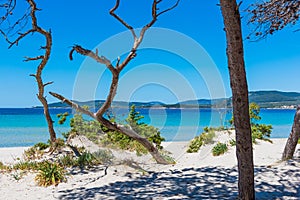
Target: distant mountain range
point(266, 99)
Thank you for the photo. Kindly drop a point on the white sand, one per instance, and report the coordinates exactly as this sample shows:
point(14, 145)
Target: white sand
point(194, 176)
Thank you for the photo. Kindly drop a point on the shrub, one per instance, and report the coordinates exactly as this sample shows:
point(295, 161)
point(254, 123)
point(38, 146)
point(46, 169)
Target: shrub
point(41, 146)
point(219, 149)
point(3, 167)
point(232, 142)
point(33, 153)
point(103, 157)
point(50, 174)
point(261, 132)
point(85, 159)
point(119, 140)
point(205, 138)
point(26, 165)
point(67, 161)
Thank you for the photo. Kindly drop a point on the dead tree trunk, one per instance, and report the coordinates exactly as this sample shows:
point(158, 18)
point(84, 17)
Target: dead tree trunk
point(292, 141)
point(239, 87)
point(35, 28)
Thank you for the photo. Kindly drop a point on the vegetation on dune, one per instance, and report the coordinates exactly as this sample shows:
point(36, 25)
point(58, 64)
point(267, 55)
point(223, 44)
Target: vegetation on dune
point(219, 149)
point(205, 138)
point(101, 135)
point(50, 174)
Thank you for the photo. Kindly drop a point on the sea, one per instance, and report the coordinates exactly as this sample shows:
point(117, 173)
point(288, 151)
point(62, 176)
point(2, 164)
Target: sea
point(27, 126)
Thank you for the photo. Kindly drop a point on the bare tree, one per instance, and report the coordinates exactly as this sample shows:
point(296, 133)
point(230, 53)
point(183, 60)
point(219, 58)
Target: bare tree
point(239, 87)
point(115, 71)
point(35, 28)
point(269, 17)
point(273, 15)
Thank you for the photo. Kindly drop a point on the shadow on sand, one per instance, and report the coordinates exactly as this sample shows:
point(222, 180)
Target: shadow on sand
point(194, 183)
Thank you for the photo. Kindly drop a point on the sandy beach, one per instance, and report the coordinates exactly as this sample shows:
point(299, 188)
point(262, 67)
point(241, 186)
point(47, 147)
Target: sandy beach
point(194, 176)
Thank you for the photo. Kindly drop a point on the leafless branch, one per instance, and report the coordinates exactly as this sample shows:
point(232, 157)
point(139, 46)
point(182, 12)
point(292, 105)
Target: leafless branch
point(72, 104)
point(112, 12)
point(95, 56)
point(48, 83)
point(35, 58)
point(273, 15)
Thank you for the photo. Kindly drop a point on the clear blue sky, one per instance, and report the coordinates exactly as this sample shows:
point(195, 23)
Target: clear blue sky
point(155, 74)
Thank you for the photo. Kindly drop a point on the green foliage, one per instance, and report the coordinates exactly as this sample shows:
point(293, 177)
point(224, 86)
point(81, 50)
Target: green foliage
point(26, 165)
point(3, 167)
point(58, 144)
point(205, 138)
point(67, 161)
point(259, 131)
point(62, 117)
point(33, 153)
point(232, 142)
point(41, 146)
point(85, 159)
point(89, 128)
point(102, 157)
point(50, 174)
point(119, 140)
point(167, 157)
point(219, 149)
point(299, 141)
point(254, 111)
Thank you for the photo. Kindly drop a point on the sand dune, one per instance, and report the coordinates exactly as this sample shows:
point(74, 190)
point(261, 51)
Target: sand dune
point(194, 176)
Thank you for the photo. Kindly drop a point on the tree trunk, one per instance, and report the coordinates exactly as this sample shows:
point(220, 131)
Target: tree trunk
point(48, 118)
point(292, 141)
point(238, 83)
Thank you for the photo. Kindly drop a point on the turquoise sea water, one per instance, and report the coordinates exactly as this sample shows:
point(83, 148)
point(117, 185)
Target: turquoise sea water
point(25, 127)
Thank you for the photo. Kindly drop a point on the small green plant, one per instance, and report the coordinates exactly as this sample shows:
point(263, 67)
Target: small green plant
point(103, 157)
point(261, 132)
point(17, 175)
point(33, 153)
point(232, 142)
point(119, 140)
point(3, 167)
point(67, 161)
point(167, 157)
point(41, 146)
point(62, 117)
point(219, 149)
point(85, 160)
point(299, 141)
point(205, 138)
point(50, 174)
point(26, 165)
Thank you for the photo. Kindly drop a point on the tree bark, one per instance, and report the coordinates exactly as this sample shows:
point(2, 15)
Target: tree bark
point(292, 141)
point(239, 87)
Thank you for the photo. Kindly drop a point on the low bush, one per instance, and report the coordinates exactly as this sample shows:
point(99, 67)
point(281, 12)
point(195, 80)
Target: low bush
point(103, 157)
point(50, 174)
point(26, 165)
point(41, 146)
point(219, 149)
point(232, 142)
point(205, 138)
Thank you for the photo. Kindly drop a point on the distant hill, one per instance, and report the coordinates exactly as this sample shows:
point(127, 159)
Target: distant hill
point(266, 99)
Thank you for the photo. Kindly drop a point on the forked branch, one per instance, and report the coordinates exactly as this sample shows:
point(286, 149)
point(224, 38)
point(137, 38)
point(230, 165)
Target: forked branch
point(116, 70)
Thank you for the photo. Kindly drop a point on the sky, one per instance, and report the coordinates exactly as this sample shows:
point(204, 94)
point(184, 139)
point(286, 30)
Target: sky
point(182, 57)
